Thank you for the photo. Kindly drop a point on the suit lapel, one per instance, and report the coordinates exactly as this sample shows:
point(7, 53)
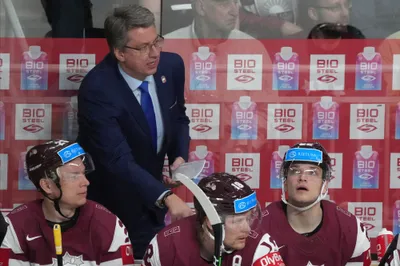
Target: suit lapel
point(132, 104)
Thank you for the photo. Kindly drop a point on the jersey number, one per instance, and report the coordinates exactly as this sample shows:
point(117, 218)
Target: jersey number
point(237, 260)
point(148, 255)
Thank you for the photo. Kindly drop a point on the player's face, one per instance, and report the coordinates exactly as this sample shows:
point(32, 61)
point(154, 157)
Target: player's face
point(73, 183)
point(237, 229)
point(140, 57)
point(222, 14)
point(332, 11)
point(303, 184)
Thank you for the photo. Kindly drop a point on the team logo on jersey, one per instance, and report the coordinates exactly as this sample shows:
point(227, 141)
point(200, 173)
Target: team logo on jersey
point(70, 260)
point(267, 253)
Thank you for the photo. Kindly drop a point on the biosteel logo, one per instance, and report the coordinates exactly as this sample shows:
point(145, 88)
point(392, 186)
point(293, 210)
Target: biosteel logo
point(366, 215)
point(202, 116)
point(284, 116)
point(327, 67)
point(33, 116)
point(242, 167)
point(367, 116)
point(244, 67)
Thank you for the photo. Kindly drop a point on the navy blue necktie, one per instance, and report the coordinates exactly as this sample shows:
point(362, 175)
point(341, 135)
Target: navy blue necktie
point(148, 109)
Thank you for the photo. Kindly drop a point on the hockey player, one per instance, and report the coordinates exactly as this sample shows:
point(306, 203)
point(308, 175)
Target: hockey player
point(307, 229)
point(91, 235)
point(190, 241)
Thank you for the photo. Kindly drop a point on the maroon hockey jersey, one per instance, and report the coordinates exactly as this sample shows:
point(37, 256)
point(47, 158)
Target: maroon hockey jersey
point(341, 240)
point(177, 245)
point(97, 238)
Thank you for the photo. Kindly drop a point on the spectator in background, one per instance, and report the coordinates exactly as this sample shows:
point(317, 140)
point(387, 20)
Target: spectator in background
point(71, 19)
point(313, 12)
point(68, 19)
point(213, 24)
point(176, 14)
point(215, 27)
point(131, 113)
point(57, 168)
point(272, 20)
point(333, 32)
point(212, 20)
point(268, 19)
point(282, 9)
point(325, 38)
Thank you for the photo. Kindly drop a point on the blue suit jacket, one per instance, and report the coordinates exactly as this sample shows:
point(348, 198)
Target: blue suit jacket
point(115, 132)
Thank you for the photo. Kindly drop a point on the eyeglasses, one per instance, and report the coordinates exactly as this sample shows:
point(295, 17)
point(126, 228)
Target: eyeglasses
point(337, 8)
point(157, 43)
point(308, 172)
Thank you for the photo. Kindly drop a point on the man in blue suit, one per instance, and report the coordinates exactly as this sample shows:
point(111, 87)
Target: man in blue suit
point(131, 114)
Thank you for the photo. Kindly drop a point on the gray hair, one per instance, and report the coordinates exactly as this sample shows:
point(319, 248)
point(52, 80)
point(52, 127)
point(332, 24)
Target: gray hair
point(123, 19)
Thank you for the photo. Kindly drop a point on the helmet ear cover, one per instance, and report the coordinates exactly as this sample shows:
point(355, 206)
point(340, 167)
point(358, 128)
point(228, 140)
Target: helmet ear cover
point(52, 174)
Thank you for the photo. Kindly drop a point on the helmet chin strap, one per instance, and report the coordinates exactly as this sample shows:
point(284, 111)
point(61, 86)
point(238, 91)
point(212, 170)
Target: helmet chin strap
point(57, 201)
point(207, 230)
point(321, 196)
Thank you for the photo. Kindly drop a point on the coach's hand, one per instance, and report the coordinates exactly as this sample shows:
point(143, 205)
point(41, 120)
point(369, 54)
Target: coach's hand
point(167, 180)
point(177, 208)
